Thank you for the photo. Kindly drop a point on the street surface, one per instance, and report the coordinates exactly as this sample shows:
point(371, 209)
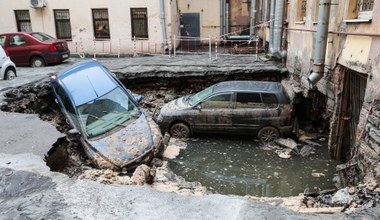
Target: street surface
point(29, 190)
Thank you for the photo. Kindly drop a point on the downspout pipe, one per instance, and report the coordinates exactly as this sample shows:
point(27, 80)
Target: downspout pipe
point(222, 21)
point(252, 19)
point(320, 42)
point(227, 18)
point(163, 24)
point(277, 30)
point(272, 3)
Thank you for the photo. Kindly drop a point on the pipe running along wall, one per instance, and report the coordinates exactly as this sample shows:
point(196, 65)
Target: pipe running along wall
point(163, 24)
point(320, 42)
point(252, 19)
point(275, 49)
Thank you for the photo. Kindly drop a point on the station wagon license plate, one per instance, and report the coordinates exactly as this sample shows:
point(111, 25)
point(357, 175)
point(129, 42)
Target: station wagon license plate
point(65, 55)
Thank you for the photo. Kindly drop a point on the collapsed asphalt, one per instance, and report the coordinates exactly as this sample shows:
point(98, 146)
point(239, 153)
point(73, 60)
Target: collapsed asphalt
point(28, 189)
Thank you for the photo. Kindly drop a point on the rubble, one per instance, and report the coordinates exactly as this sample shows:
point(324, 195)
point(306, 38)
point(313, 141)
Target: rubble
point(286, 148)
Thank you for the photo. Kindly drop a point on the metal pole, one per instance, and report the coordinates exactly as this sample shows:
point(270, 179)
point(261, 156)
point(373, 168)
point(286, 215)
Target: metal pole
point(216, 47)
point(134, 46)
point(174, 48)
point(209, 46)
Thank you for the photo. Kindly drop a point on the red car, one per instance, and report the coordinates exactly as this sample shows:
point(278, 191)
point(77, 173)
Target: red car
point(34, 49)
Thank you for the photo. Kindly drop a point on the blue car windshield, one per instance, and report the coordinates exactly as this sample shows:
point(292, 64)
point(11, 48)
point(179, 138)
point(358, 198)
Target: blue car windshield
point(194, 99)
point(107, 112)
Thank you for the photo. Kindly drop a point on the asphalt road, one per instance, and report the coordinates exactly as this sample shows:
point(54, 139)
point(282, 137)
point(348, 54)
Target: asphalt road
point(29, 190)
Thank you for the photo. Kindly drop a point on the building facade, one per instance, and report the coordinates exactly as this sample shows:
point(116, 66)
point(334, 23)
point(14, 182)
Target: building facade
point(97, 26)
point(333, 51)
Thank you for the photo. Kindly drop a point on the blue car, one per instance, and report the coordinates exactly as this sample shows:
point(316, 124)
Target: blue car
point(115, 133)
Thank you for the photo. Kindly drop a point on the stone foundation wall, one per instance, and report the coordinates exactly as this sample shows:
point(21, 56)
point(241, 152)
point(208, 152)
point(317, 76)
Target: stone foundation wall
point(368, 153)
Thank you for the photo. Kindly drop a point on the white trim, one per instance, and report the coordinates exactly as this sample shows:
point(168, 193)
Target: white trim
point(365, 15)
point(357, 20)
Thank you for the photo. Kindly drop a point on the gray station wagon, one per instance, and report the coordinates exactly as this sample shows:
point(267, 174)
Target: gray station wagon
point(257, 108)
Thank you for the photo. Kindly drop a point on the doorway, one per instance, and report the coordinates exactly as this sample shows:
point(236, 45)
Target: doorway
point(352, 98)
point(190, 30)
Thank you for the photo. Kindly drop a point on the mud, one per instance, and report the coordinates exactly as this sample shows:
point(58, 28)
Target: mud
point(68, 157)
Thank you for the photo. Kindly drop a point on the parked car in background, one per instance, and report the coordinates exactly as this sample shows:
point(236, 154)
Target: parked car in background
point(7, 67)
point(34, 49)
point(257, 108)
point(115, 133)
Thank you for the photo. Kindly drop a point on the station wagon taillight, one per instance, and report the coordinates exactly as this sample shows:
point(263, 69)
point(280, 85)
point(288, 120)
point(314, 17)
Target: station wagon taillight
point(53, 48)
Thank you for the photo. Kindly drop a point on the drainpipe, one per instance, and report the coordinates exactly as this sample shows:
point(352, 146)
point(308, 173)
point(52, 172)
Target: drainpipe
point(320, 42)
point(272, 3)
point(228, 18)
point(252, 19)
point(222, 21)
point(277, 30)
point(163, 24)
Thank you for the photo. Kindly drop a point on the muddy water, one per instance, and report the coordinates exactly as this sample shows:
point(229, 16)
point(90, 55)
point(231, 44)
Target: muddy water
point(236, 165)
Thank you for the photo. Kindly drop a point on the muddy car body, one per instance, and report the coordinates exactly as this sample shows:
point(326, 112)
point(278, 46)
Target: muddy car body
point(262, 109)
point(114, 131)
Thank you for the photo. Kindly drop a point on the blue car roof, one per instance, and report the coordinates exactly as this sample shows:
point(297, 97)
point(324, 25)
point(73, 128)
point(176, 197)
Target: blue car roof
point(86, 81)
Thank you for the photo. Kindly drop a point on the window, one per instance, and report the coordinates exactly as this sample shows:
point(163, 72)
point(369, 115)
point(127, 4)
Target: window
point(139, 18)
point(365, 9)
point(17, 40)
point(62, 24)
point(101, 23)
point(248, 100)
point(218, 101)
point(269, 100)
point(23, 20)
point(359, 11)
point(2, 40)
point(301, 10)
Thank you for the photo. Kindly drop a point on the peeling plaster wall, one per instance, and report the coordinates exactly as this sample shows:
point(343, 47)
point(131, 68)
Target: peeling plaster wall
point(344, 50)
point(42, 19)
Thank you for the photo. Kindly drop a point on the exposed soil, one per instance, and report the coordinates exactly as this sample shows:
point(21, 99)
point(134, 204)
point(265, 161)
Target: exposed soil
point(67, 156)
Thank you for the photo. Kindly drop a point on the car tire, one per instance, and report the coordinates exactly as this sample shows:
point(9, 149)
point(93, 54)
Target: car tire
point(268, 134)
point(37, 62)
point(180, 130)
point(10, 73)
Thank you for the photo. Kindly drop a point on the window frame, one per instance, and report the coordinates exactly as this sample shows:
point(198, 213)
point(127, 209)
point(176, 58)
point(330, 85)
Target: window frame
point(211, 103)
point(65, 21)
point(363, 13)
point(103, 31)
point(19, 21)
point(256, 101)
point(144, 19)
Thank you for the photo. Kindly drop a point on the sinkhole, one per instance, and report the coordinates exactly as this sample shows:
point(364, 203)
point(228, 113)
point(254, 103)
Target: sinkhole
point(237, 165)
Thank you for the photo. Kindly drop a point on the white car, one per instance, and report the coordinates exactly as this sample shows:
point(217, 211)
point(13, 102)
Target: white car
point(7, 67)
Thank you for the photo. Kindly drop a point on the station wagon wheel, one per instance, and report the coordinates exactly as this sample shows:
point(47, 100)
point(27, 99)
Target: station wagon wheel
point(10, 73)
point(268, 134)
point(180, 130)
point(37, 62)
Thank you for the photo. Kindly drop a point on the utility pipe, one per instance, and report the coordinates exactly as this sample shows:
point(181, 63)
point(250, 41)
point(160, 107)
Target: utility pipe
point(252, 19)
point(336, 32)
point(222, 18)
point(320, 42)
point(227, 18)
point(277, 30)
point(272, 4)
point(163, 24)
